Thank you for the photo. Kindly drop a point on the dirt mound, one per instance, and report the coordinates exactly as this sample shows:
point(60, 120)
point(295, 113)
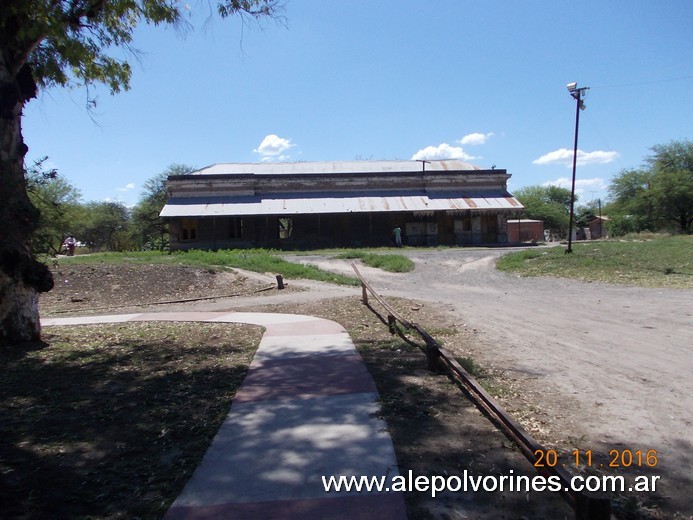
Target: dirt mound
point(81, 288)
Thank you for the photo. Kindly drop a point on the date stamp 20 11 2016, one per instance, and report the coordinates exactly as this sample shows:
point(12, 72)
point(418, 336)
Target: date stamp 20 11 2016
point(618, 458)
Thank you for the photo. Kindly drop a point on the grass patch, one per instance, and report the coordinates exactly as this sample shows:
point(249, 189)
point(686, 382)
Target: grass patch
point(111, 421)
point(659, 261)
point(471, 366)
point(258, 260)
point(387, 262)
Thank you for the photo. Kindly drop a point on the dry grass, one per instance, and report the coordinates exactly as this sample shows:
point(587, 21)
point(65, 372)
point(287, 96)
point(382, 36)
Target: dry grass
point(111, 421)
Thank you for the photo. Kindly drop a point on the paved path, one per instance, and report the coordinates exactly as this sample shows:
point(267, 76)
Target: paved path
point(305, 409)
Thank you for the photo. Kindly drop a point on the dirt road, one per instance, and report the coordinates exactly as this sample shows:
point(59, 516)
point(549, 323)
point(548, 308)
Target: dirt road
point(609, 366)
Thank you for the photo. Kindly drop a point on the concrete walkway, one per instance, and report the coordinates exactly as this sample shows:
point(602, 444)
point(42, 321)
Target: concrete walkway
point(306, 409)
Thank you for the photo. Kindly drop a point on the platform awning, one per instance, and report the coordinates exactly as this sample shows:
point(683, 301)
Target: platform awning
point(331, 204)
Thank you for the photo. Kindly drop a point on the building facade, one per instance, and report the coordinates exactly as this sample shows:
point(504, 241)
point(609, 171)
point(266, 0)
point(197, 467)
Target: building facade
point(338, 204)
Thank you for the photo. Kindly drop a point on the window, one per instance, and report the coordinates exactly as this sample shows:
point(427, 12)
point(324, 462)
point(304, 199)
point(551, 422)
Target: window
point(285, 228)
point(188, 229)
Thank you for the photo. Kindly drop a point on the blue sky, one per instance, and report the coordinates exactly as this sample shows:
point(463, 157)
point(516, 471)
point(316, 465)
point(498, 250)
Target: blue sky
point(478, 80)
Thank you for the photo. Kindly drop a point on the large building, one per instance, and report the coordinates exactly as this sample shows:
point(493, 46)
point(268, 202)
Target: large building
point(333, 204)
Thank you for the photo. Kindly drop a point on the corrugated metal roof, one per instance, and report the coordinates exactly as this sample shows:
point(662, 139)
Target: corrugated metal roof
point(335, 167)
point(247, 206)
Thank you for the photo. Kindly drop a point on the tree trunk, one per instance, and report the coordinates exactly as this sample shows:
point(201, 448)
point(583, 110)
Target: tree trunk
point(21, 276)
point(19, 315)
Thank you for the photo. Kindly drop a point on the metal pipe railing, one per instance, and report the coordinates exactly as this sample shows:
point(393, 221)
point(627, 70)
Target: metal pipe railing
point(587, 506)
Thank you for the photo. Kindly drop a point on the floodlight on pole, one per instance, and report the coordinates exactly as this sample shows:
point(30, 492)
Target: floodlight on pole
point(577, 94)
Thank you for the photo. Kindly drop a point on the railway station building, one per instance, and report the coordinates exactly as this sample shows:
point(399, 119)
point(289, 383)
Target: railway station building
point(338, 204)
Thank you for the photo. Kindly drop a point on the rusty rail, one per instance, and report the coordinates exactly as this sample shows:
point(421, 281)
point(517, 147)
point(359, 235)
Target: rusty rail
point(587, 506)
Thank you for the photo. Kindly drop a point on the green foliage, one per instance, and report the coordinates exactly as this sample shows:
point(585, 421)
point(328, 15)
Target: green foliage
point(658, 196)
point(550, 204)
point(58, 204)
point(672, 167)
point(386, 262)
point(69, 41)
point(632, 202)
point(100, 225)
point(471, 366)
point(558, 195)
point(649, 261)
point(620, 224)
point(105, 225)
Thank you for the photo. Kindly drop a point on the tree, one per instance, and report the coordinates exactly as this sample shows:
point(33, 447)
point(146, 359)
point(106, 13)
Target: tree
point(58, 204)
point(105, 227)
point(151, 230)
point(55, 43)
point(631, 202)
point(658, 195)
point(672, 187)
point(548, 203)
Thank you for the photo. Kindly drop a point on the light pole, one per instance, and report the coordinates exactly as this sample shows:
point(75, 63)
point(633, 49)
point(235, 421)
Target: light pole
point(578, 94)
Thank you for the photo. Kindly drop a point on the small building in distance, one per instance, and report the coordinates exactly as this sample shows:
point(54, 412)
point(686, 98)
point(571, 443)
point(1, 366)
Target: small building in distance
point(598, 228)
point(525, 230)
point(337, 204)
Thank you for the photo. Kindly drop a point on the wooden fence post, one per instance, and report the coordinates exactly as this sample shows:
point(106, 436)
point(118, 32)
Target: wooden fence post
point(433, 357)
point(391, 324)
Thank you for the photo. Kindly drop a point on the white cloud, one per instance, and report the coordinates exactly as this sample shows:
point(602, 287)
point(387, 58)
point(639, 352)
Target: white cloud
point(565, 157)
point(476, 138)
point(127, 187)
point(442, 151)
point(119, 200)
point(581, 185)
point(273, 147)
